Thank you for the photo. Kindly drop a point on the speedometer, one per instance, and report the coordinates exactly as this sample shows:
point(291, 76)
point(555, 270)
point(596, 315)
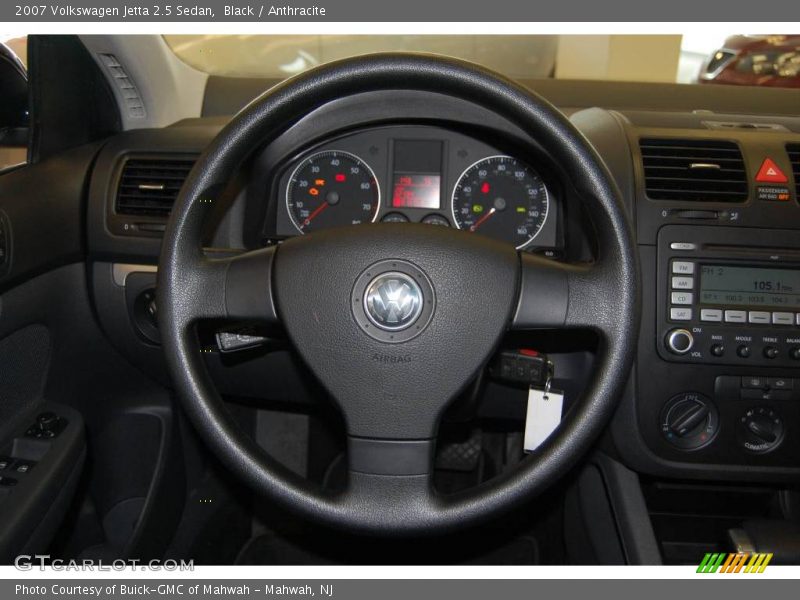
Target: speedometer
point(503, 198)
point(332, 188)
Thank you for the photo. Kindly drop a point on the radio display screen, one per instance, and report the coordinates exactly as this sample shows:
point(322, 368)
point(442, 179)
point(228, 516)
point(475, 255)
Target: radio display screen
point(749, 286)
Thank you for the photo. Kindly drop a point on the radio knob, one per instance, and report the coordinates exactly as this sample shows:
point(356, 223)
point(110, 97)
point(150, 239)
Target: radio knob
point(794, 353)
point(771, 352)
point(680, 341)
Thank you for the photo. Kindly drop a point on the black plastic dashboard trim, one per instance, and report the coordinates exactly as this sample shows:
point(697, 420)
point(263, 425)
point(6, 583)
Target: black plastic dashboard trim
point(228, 95)
point(613, 133)
point(44, 214)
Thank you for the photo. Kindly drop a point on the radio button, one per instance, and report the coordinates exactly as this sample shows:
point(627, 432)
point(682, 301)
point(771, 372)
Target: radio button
point(682, 297)
point(782, 318)
point(755, 383)
point(688, 246)
point(781, 383)
point(771, 352)
point(717, 350)
point(735, 316)
point(680, 314)
point(743, 351)
point(682, 283)
point(682, 267)
point(680, 341)
point(765, 395)
point(711, 314)
point(758, 316)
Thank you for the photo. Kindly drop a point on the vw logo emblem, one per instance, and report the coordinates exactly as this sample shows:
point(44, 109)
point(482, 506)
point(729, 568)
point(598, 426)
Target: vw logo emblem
point(393, 301)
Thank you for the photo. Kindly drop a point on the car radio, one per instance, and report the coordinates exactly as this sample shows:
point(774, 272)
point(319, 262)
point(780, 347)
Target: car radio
point(721, 302)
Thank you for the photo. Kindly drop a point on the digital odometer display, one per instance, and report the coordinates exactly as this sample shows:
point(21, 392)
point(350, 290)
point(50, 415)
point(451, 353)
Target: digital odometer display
point(749, 286)
point(415, 190)
point(417, 174)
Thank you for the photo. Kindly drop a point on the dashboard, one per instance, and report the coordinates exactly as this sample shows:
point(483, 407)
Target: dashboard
point(715, 392)
point(418, 174)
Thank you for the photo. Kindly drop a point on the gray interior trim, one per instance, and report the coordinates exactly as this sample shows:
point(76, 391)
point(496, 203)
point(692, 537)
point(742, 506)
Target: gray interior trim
point(170, 89)
point(121, 271)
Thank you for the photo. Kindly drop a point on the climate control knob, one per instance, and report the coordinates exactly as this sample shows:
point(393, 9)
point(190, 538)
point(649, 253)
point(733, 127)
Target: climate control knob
point(761, 430)
point(689, 421)
point(680, 341)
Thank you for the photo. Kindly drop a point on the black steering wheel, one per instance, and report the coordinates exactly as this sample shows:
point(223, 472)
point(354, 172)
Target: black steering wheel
point(396, 319)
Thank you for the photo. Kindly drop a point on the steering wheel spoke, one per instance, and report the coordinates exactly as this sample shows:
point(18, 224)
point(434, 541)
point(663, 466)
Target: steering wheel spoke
point(235, 288)
point(557, 295)
point(390, 457)
point(389, 504)
point(248, 287)
point(390, 482)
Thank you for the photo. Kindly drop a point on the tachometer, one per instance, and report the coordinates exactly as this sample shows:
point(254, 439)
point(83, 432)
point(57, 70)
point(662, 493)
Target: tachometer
point(503, 198)
point(332, 188)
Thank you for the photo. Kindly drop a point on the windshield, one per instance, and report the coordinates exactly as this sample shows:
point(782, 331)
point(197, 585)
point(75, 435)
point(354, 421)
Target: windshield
point(735, 59)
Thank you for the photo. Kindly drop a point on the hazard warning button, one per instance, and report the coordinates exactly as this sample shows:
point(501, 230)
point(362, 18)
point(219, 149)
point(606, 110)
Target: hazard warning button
point(770, 173)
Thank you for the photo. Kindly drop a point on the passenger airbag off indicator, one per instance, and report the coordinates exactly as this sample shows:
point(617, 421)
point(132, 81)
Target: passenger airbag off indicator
point(771, 173)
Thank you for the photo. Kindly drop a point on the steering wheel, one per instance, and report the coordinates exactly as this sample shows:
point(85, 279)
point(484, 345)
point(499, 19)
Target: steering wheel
point(396, 319)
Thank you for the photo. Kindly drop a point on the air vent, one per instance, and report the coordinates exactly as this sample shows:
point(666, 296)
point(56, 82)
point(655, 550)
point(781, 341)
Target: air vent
point(694, 170)
point(794, 156)
point(127, 89)
point(149, 186)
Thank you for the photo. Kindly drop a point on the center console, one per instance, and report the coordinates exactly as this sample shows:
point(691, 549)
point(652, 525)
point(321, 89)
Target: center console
point(717, 379)
point(729, 296)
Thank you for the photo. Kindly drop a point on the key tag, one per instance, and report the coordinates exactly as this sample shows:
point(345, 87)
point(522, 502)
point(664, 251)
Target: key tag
point(543, 414)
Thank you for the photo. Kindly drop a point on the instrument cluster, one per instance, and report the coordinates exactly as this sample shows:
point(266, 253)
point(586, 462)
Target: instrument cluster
point(418, 174)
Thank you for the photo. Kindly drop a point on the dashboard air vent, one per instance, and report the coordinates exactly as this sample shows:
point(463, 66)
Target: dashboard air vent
point(695, 170)
point(794, 156)
point(127, 89)
point(149, 186)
